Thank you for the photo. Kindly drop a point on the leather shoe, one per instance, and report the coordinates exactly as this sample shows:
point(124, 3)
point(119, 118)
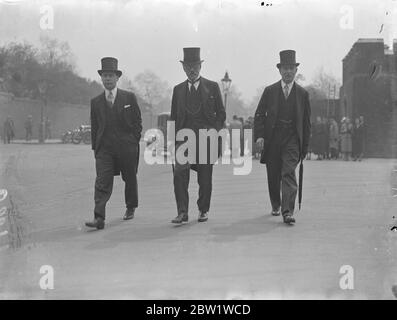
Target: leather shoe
point(182, 217)
point(276, 212)
point(289, 219)
point(129, 214)
point(203, 216)
point(98, 223)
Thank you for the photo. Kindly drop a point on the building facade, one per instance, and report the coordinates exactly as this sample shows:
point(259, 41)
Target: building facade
point(369, 90)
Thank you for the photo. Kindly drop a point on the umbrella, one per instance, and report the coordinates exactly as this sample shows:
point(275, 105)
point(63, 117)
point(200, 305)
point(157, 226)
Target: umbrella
point(300, 183)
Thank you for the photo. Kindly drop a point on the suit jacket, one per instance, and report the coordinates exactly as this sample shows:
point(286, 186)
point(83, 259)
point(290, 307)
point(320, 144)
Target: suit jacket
point(129, 120)
point(211, 101)
point(266, 117)
point(212, 105)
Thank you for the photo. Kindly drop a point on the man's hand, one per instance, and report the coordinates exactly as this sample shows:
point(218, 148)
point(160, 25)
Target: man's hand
point(260, 142)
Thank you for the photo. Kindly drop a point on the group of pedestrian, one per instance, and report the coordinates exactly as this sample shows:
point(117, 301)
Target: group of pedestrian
point(238, 123)
point(281, 131)
point(9, 129)
point(332, 141)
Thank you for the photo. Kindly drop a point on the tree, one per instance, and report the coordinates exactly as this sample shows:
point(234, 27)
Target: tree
point(23, 66)
point(325, 83)
point(56, 54)
point(153, 90)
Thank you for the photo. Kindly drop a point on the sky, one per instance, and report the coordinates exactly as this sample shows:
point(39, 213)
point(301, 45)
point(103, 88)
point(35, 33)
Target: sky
point(240, 36)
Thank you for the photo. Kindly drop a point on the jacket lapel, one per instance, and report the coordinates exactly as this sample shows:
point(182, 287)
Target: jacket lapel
point(299, 111)
point(276, 95)
point(102, 107)
point(204, 91)
point(118, 102)
point(182, 98)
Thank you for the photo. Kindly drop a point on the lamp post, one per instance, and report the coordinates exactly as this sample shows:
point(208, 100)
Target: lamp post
point(42, 85)
point(226, 82)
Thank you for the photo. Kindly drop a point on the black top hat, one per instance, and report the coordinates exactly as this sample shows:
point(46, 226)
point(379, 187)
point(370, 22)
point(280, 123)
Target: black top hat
point(287, 57)
point(191, 55)
point(109, 64)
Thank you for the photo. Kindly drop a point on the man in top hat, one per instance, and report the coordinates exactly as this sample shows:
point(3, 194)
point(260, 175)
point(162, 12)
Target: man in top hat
point(116, 127)
point(282, 131)
point(196, 104)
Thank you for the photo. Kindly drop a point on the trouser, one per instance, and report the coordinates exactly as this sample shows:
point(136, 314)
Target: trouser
point(282, 159)
point(126, 158)
point(181, 185)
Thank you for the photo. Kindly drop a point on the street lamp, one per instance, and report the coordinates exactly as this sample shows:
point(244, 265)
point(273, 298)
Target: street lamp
point(226, 82)
point(42, 86)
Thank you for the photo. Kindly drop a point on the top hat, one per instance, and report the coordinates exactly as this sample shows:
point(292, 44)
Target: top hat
point(287, 57)
point(109, 64)
point(191, 55)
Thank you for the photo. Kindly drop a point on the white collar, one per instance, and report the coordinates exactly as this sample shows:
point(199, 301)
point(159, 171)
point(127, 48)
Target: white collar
point(290, 85)
point(114, 92)
point(196, 83)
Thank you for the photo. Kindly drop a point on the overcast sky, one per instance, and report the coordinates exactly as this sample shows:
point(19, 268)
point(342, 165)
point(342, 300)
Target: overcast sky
point(240, 36)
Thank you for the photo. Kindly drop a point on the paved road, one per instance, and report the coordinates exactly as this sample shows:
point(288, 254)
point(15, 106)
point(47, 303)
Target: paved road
point(241, 252)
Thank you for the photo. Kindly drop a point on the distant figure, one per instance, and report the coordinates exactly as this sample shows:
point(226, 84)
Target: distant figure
point(236, 125)
point(47, 128)
point(319, 137)
point(358, 140)
point(326, 140)
point(364, 129)
point(248, 124)
point(29, 128)
point(8, 130)
point(346, 138)
point(242, 145)
point(334, 139)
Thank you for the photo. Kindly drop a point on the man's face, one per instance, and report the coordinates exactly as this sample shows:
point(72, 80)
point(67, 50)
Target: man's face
point(192, 70)
point(109, 80)
point(288, 73)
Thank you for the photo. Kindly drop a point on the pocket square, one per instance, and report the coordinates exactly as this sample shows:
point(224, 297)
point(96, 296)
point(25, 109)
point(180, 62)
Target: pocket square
point(127, 106)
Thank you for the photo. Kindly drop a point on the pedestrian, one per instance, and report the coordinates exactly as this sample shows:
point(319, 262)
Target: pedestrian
point(326, 138)
point(29, 128)
point(346, 139)
point(333, 139)
point(319, 137)
point(242, 144)
point(47, 128)
point(364, 134)
point(8, 130)
point(282, 129)
point(237, 127)
point(196, 104)
point(116, 127)
point(357, 140)
point(247, 126)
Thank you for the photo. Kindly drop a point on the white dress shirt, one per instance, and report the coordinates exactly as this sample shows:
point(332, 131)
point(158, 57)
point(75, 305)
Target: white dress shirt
point(114, 93)
point(196, 84)
point(290, 85)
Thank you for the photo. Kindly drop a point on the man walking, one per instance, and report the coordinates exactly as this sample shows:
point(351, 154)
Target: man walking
point(116, 127)
point(282, 130)
point(8, 130)
point(29, 128)
point(196, 104)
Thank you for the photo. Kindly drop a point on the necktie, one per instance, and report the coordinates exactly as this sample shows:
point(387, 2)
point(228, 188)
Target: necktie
point(286, 91)
point(192, 88)
point(110, 99)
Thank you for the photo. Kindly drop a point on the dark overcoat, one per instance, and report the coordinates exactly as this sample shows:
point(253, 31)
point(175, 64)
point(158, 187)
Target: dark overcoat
point(211, 101)
point(129, 121)
point(267, 112)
